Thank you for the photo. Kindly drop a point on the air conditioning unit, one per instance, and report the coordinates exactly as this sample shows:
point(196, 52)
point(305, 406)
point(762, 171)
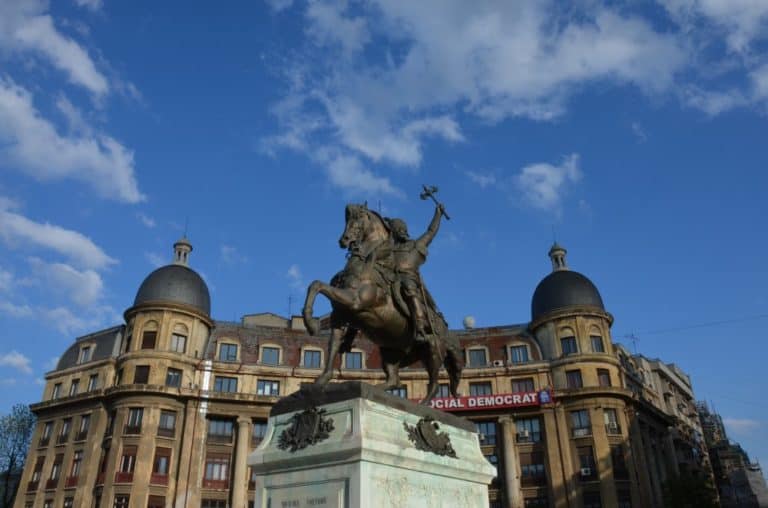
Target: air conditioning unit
point(498, 363)
point(481, 437)
point(525, 433)
point(586, 471)
point(580, 432)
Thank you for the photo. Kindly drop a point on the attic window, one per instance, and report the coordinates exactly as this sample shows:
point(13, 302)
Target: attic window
point(85, 354)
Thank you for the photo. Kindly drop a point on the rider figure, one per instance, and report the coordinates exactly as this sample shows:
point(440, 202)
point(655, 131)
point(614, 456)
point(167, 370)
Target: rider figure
point(409, 255)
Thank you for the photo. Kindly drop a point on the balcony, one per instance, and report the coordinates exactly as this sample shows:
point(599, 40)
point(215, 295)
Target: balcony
point(215, 484)
point(81, 436)
point(537, 480)
point(121, 477)
point(612, 428)
point(582, 432)
point(219, 438)
point(33, 485)
point(61, 439)
point(158, 479)
point(51, 484)
point(132, 429)
point(44, 441)
point(71, 482)
point(166, 432)
point(100, 478)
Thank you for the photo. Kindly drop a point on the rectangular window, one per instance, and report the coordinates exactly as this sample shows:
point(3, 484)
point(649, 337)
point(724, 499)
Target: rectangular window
point(77, 463)
point(477, 358)
point(270, 355)
point(592, 499)
point(156, 502)
point(66, 425)
point(528, 430)
point(580, 423)
point(85, 354)
point(532, 470)
point(45, 435)
point(74, 387)
point(311, 359)
point(443, 390)
point(603, 377)
point(597, 343)
point(135, 415)
point(522, 385)
point(55, 470)
point(568, 344)
point(353, 360)
point(93, 382)
point(225, 384)
point(38, 471)
point(124, 473)
point(587, 469)
point(173, 377)
point(573, 379)
point(228, 352)
point(620, 471)
point(178, 343)
point(267, 387)
point(148, 340)
point(48, 503)
point(69, 502)
point(611, 421)
point(141, 375)
point(486, 431)
point(400, 391)
point(122, 501)
point(213, 503)
point(258, 432)
point(82, 431)
point(216, 471)
point(220, 431)
point(56, 393)
point(162, 463)
point(518, 354)
point(167, 425)
point(480, 389)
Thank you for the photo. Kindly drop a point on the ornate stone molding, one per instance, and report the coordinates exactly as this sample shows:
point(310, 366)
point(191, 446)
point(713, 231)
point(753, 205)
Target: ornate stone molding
point(307, 428)
point(425, 436)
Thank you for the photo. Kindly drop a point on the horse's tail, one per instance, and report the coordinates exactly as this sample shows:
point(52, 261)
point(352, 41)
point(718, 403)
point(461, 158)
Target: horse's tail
point(454, 363)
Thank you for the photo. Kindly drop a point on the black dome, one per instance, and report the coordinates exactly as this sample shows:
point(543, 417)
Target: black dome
point(177, 284)
point(563, 288)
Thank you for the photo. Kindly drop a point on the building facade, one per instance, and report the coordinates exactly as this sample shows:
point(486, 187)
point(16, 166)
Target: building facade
point(162, 411)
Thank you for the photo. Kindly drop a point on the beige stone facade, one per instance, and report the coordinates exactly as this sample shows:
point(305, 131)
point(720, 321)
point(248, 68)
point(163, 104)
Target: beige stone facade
point(166, 407)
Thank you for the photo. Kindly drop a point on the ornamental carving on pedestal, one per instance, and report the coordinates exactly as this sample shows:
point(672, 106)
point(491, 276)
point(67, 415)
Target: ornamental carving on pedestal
point(307, 428)
point(425, 436)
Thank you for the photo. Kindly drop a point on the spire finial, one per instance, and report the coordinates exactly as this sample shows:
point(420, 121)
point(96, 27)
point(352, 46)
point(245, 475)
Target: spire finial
point(181, 250)
point(557, 255)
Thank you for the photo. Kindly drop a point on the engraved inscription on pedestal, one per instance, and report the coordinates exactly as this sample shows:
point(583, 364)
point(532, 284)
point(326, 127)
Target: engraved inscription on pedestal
point(329, 494)
point(307, 428)
point(425, 436)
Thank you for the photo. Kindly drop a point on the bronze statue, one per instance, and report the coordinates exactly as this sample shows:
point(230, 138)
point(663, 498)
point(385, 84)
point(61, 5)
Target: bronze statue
point(380, 293)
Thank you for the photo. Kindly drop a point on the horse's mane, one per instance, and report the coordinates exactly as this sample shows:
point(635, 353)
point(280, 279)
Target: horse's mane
point(353, 209)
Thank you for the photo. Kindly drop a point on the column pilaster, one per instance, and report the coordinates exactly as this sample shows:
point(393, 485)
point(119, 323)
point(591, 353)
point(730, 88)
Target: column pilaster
point(239, 488)
point(514, 493)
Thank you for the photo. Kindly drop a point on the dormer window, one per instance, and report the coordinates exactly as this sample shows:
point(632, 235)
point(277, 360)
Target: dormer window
point(178, 343)
point(85, 354)
point(477, 357)
point(270, 355)
point(228, 352)
point(568, 344)
point(518, 354)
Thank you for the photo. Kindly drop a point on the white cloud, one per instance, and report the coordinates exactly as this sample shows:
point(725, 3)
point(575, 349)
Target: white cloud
point(94, 5)
point(68, 323)
point(14, 310)
point(483, 180)
point(295, 278)
point(348, 173)
point(16, 360)
point(155, 259)
point(146, 220)
point(742, 426)
point(543, 185)
point(231, 255)
point(639, 132)
point(714, 102)
point(84, 288)
point(279, 5)
point(30, 143)
point(25, 27)
point(6, 280)
point(8, 381)
point(328, 25)
point(80, 249)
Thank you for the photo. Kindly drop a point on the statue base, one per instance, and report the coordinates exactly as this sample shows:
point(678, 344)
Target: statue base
point(353, 445)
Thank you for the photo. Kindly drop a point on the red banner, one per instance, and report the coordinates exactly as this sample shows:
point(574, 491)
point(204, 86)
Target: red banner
point(498, 401)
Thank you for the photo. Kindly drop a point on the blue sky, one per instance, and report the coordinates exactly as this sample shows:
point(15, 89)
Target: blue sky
point(633, 131)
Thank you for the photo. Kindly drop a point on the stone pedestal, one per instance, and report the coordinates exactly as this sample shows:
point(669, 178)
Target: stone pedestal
point(354, 445)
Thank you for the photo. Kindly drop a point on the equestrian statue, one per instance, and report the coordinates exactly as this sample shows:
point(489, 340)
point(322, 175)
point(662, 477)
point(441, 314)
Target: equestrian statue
point(380, 293)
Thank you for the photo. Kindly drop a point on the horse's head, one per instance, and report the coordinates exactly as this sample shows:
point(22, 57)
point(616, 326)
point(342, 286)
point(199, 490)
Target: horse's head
point(362, 225)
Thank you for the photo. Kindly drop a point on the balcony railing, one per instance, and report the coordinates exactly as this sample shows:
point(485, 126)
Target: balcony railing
point(166, 432)
point(582, 432)
point(158, 479)
point(100, 478)
point(33, 485)
point(44, 441)
point(612, 428)
point(81, 436)
point(121, 477)
point(215, 484)
point(71, 481)
point(220, 438)
point(533, 480)
point(62, 438)
point(51, 484)
point(132, 429)
point(528, 437)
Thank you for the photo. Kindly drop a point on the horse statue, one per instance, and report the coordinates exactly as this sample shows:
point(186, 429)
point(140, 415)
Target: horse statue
point(365, 296)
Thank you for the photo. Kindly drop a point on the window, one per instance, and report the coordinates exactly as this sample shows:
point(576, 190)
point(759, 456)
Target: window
point(220, 431)
point(580, 423)
point(522, 385)
point(353, 360)
point(110, 423)
point(225, 384)
point(69, 502)
point(266, 387)
point(270, 355)
point(216, 471)
point(611, 422)
point(587, 470)
point(48, 503)
point(568, 344)
point(162, 463)
point(56, 391)
point(443, 390)
point(148, 340)
point(603, 377)
point(45, 435)
point(167, 425)
point(258, 432)
point(536, 502)
point(82, 431)
point(141, 375)
point(127, 464)
point(135, 414)
point(486, 432)
point(74, 387)
point(156, 502)
point(592, 499)
point(573, 379)
point(477, 358)
point(36, 473)
point(93, 382)
point(620, 471)
point(178, 343)
point(228, 352)
point(85, 354)
point(53, 480)
point(480, 389)
point(528, 430)
point(66, 424)
point(213, 503)
point(400, 391)
point(597, 343)
point(311, 359)
point(173, 377)
point(532, 470)
point(518, 354)
point(77, 462)
point(122, 501)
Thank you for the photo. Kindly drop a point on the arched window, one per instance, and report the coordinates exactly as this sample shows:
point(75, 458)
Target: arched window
point(179, 338)
point(568, 344)
point(149, 335)
point(596, 340)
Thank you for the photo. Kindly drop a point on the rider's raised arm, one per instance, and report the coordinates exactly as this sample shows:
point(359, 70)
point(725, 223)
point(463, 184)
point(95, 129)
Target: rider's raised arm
point(431, 231)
